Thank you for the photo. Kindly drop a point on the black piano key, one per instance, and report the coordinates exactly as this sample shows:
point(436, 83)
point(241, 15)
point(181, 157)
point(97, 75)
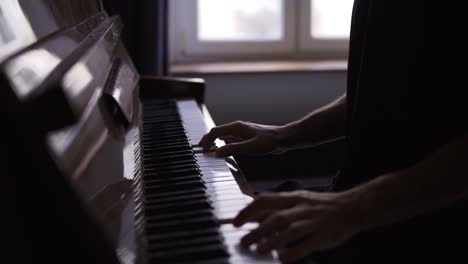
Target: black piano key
point(171, 148)
point(181, 224)
point(193, 205)
point(160, 138)
point(168, 167)
point(167, 135)
point(156, 107)
point(148, 126)
point(154, 102)
point(158, 153)
point(179, 219)
point(166, 170)
point(159, 108)
point(177, 199)
point(169, 138)
point(182, 234)
point(178, 215)
point(169, 158)
point(162, 142)
point(160, 118)
point(174, 147)
point(151, 129)
point(223, 260)
point(166, 188)
point(179, 255)
point(191, 242)
point(172, 173)
point(163, 195)
point(177, 170)
point(165, 144)
point(156, 178)
point(168, 124)
point(167, 164)
point(173, 186)
point(192, 166)
point(170, 180)
point(164, 124)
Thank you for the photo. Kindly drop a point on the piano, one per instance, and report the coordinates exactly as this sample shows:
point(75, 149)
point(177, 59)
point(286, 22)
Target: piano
point(102, 164)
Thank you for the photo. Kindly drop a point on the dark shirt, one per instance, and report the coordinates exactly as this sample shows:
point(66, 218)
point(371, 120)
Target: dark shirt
point(406, 98)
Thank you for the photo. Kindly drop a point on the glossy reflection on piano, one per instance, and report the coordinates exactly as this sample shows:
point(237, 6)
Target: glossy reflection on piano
point(100, 160)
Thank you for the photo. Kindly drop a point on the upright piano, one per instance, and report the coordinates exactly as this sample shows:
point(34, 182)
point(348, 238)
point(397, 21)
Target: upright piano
point(102, 164)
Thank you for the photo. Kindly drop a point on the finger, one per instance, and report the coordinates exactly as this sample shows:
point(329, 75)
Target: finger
point(227, 129)
point(247, 146)
point(298, 217)
point(296, 231)
point(264, 202)
point(276, 222)
point(231, 139)
point(208, 139)
point(300, 250)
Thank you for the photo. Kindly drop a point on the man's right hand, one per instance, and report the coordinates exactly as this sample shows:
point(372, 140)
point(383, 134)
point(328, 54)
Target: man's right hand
point(244, 138)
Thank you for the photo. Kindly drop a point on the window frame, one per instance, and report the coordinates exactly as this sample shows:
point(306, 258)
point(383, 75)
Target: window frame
point(298, 43)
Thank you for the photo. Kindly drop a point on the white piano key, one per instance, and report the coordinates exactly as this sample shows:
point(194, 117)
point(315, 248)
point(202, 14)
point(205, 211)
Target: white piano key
point(224, 193)
point(217, 179)
point(220, 184)
point(232, 236)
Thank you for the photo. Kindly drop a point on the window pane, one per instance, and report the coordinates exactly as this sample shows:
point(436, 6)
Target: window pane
point(240, 20)
point(330, 18)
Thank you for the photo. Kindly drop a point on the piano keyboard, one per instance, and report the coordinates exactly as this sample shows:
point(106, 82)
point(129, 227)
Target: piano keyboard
point(188, 195)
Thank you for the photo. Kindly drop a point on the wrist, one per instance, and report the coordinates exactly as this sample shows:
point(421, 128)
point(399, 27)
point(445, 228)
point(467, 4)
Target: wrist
point(354, 205)
point(287, 134)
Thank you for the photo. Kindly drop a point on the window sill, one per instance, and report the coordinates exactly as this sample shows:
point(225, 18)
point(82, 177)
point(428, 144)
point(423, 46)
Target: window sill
point(260, 67)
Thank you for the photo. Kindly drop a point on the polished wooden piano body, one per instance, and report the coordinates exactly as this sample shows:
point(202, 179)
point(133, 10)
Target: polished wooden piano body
point(85, 142)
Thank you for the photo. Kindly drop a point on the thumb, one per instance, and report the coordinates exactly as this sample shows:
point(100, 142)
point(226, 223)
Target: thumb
point(243, 147)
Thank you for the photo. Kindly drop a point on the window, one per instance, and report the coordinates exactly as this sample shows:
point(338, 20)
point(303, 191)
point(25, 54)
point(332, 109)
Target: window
point(241, 20)
point(224, 29)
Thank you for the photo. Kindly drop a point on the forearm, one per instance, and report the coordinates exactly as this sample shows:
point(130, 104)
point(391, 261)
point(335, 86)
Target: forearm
point(436, 182)
point(322, 124)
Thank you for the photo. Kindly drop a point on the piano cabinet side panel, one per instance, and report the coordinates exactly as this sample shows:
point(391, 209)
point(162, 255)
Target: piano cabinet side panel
point(45, 220)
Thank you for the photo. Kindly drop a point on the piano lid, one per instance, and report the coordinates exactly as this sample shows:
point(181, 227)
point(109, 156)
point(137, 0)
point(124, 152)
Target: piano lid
point(23, 22)
point(60, 75)
point(31, 66)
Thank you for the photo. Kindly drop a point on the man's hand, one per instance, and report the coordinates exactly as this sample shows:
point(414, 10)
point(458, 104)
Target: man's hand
point(243, 138)
point(297, 224)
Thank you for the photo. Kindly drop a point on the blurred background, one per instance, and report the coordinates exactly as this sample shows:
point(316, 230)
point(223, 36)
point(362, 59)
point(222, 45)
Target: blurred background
point(266, 61)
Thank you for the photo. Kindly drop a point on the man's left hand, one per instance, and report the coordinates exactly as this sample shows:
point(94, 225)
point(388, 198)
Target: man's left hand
point(297, 224)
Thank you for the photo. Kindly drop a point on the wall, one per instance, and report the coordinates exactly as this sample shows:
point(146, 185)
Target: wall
point(270, 98)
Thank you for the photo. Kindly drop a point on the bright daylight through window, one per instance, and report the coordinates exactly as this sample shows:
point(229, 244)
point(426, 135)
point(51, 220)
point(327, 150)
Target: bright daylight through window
point(330, 18)
point(240, 20)
point(262, 27)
